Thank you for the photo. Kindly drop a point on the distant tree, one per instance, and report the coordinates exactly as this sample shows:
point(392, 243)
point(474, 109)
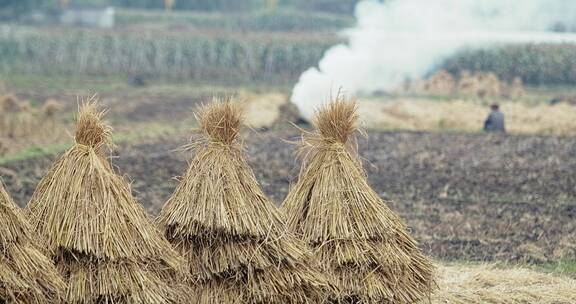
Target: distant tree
point(221, 5)
point(329, 6)
point(139, 3)
point(62, 4)
point(18, 7)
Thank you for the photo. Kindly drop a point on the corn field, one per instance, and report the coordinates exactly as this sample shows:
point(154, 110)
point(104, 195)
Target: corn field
point(240, 56)
point(164, 55)
point(536, 64)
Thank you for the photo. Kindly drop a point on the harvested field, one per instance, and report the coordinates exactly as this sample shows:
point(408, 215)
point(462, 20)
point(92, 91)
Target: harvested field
point(465, 196)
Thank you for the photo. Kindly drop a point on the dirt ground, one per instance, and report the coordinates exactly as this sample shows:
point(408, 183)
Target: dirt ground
point(464, 196)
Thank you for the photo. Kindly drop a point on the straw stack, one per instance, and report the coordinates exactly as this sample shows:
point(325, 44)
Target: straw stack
point(48, 121)
point(516, 89)
point(26, 275)
point(441, 83)
point(101, 240)
point(9, 113)
point(235, 241)
point(468, 84)
point(362, 245)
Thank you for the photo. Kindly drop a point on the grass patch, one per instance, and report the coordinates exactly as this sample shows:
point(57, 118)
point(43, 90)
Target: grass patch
point(62, 82)
point(565, 267)
point(132, 133)
point(33, 152)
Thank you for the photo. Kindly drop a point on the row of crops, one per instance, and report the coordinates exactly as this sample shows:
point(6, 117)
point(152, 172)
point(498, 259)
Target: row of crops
point(232, 56)
point(536, 64)
point(161, 55)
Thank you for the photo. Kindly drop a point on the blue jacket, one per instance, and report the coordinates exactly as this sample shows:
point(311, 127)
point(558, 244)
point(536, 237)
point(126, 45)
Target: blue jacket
point(495, 122)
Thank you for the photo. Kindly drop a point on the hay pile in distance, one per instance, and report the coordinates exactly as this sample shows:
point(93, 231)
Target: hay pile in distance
point(362, 245)
point(16, 119)
point(26, 275)
point(237, 246)
point(441, 83)
point(101, 240)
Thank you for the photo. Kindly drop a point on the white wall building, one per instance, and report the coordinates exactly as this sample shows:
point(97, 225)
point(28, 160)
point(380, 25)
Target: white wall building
point(101, 17)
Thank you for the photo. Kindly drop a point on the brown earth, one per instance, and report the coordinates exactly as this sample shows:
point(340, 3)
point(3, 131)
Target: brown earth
point(464, 196)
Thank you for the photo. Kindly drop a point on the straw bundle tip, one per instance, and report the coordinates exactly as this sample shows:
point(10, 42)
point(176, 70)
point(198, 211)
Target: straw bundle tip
point(220, 120)
point(91, 130)
point(337, 120)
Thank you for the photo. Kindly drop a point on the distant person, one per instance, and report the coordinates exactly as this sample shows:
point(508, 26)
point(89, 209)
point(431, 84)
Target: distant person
point(495, 120)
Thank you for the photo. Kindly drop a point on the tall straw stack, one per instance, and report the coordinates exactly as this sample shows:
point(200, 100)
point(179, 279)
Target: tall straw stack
point(101, 240)
point(26, 275)
point(362, 245)
point(237, 246)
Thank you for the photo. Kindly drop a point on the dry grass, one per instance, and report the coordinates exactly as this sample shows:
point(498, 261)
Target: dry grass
point(233, 236)
point(465, 115)
point(26, 275)
point(487, 284)
point(362, 245)
point(270, 110)
point(102, 241)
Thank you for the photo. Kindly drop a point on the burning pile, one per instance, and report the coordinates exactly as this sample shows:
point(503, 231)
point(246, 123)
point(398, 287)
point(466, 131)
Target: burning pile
point(233, 236)
point(101, 240)
point(362, 245)
point(26, 275)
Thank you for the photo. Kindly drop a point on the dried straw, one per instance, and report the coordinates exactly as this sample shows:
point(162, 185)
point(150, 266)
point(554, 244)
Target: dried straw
point(26, 275)
point(235, 241)
point(362, 245)
point(100, 238)
point(467, 284)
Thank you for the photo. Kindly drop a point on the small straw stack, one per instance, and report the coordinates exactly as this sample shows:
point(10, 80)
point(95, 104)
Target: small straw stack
point(235, 241)
point(26, 275)
point(10, 109)
point(362, 245)
point(48, 121)
point(101, 240)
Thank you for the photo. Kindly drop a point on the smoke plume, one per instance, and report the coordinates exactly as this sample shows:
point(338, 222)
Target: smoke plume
point(396, 40)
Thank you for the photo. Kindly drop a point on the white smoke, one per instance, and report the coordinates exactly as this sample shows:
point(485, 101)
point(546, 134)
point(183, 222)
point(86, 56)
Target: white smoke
point(397, 40)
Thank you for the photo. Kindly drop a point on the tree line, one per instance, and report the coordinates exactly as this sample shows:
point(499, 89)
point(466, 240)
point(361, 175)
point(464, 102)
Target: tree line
point(332, 6)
